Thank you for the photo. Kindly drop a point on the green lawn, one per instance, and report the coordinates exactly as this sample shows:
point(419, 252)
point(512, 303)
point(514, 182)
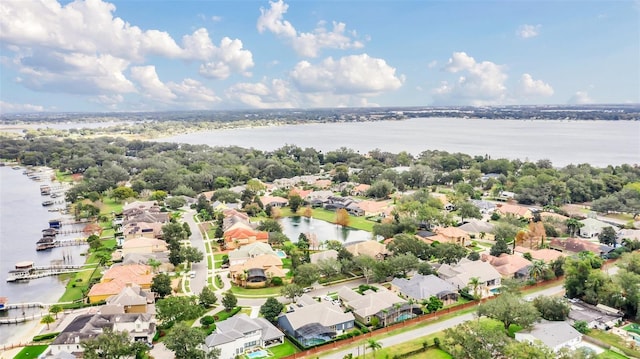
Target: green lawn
point(63, 176)
point(110, 205)
point(608, 354)
point(615, 341)
point(217, 260)
point(432, 353)
point(32, 351)
point(282, 350)
point(265, 292)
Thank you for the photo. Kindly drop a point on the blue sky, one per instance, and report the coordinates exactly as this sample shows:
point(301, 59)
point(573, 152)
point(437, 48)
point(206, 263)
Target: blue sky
point(149, 55)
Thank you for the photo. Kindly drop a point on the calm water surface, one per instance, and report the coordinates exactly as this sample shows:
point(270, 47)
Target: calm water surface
point(22, 219)
point(324, 231)
point(599, 143)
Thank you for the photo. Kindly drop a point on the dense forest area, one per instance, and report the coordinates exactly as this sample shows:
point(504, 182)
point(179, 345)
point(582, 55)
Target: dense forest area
point(181, 169)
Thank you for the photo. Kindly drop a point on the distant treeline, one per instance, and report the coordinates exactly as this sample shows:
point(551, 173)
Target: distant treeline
point(183, 169)
point(583, 112)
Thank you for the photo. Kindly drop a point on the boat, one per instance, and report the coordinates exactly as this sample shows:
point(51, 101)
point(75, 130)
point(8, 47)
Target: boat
point(47, 203)
point(45, 190)
point(3, 303)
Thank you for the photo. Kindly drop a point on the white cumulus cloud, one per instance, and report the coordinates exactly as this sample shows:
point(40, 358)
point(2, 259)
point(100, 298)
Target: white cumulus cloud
point(150, 84)
point(306, 44)
point(82, 48)
point(531, 87)
point(479, 83)
point(528, 31)
point(355, 74)
point(580, 98)
point(267, 94)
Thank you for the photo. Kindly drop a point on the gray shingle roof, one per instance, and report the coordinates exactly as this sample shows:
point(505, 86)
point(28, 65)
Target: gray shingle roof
point(423, 287)
point(553, 334)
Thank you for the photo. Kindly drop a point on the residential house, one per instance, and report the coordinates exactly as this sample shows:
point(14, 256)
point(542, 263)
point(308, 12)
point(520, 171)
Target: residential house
point(360, 190)
point(506, 209)
point(143, 245)
point(273, 201)
point(131, 299)
point(459, 275)
point(506, 195)
point(141, 206)
point(241, 236)
point(487, 176)
point(328, 254)
point(592, 227)
point(371, 248)
point(453, 235)
point(255, 271)
point(509, 265)
point(117, 277)
point(243, 254)
point(485, 207)
point(142, 229)
point(300, 192)
point(135, 216)
point(555, 335)
point(320, 196)
point(545, 254)
point(316, 323)
point(422, 287)
point(322, 183)
point(375, 208)
point(596, 316)
point(383, 304)
point(477, 228)
point(139, 326)
point(631, 234)
point(239, 334)
point(576, 245)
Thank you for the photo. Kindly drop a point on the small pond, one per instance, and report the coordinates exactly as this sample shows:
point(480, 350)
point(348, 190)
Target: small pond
point(324, 231)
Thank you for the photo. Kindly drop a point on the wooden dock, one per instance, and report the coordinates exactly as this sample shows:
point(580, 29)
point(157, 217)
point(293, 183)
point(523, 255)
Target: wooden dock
point(40, 272)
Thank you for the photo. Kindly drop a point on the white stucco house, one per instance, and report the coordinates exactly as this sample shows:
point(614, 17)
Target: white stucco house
point(555, 335)
point(239, 334)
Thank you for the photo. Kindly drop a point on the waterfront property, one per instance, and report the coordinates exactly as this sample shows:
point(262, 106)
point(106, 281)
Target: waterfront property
point(140, 327)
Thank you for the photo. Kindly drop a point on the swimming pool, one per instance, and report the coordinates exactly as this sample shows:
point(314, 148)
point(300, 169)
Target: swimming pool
point(280, 253)
point(258, 354)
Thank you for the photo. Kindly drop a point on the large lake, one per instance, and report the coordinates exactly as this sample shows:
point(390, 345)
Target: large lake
point(599, 143)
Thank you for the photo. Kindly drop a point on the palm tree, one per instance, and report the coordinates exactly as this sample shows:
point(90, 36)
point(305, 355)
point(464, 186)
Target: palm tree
point(55, 309)
point(373, 345)
point(537, 269)
point(573, 225)
point(475, 283)
point(47, 319)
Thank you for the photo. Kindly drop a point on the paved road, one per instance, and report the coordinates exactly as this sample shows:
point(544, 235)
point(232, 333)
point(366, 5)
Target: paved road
point(400, 338)
point(196, 284)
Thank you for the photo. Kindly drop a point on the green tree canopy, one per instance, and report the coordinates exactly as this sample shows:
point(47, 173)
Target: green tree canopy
point(510, 309)
point(271, 309)
point(161, 285)
point(185, 342)
point(111, 345)
point(229, 301)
